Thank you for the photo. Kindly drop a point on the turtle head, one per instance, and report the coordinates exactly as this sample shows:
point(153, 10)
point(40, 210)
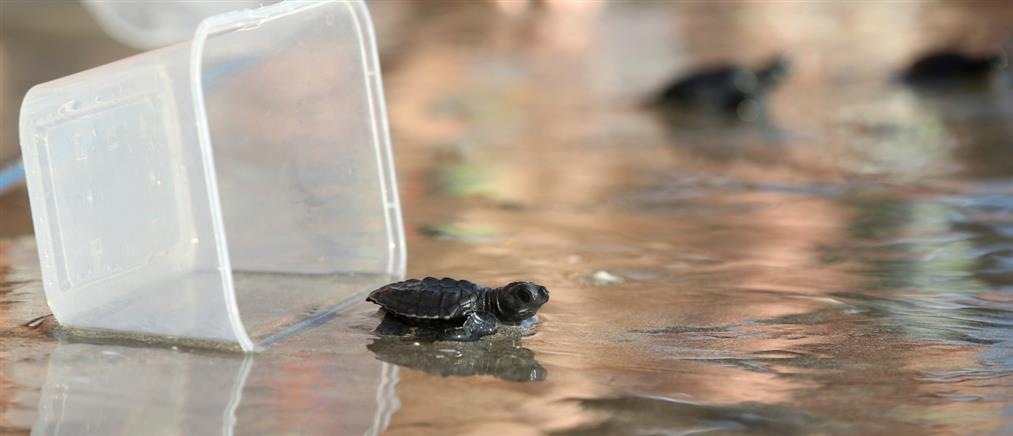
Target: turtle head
point(519, 301)
point(997, 61)
point(774, 71)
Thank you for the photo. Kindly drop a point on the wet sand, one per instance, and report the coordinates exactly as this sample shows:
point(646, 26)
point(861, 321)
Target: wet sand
point(842, 266)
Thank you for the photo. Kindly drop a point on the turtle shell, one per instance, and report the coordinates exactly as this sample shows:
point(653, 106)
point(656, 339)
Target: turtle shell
point(429, 298)
point(719, 88)
point(947, 65)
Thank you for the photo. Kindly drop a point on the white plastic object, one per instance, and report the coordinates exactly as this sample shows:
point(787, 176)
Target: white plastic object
point(220, 189)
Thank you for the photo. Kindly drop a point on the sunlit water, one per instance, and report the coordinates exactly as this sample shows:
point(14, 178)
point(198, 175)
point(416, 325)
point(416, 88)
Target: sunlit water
point(843, 265)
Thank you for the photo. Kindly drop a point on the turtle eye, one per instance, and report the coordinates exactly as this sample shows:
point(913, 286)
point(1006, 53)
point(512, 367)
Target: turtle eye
point(524, 297)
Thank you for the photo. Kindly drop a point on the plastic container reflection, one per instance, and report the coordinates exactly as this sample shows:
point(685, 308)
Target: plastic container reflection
point(120, 390)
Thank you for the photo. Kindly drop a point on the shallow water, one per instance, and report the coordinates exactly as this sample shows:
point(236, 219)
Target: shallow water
point(843, 265)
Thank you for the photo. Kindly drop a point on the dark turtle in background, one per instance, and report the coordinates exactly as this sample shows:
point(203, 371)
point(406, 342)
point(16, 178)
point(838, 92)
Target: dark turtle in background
point(725, 89)
point(456, 310)
point(945, 68)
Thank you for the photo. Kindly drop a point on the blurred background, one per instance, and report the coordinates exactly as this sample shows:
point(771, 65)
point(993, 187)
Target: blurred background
point(834, 252)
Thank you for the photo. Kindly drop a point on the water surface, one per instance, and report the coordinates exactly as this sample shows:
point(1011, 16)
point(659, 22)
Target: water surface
point(843, 265)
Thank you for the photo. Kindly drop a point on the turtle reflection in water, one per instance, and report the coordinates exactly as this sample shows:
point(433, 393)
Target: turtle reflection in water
point(454, 310)
point(499, 356)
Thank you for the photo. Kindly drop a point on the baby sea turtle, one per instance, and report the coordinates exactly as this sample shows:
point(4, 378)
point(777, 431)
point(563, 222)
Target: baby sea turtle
point(724, 89)
point(946, 67)
point(456, 310)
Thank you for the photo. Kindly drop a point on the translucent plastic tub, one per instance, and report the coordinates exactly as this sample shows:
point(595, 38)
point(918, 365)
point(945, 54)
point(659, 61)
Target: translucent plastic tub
point(220, 189)
point(147, 24)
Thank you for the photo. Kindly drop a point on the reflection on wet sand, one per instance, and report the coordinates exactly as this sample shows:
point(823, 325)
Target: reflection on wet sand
point(105, 388)
point(55, 382)
point(498, 356)
point(100, 389)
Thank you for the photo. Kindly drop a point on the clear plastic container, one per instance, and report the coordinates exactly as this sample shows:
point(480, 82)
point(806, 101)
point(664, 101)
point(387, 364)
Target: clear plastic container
point(148, 24)
point(221, 189)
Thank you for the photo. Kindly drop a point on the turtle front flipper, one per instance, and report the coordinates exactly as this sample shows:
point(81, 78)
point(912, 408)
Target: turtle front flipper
point(477, 325)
